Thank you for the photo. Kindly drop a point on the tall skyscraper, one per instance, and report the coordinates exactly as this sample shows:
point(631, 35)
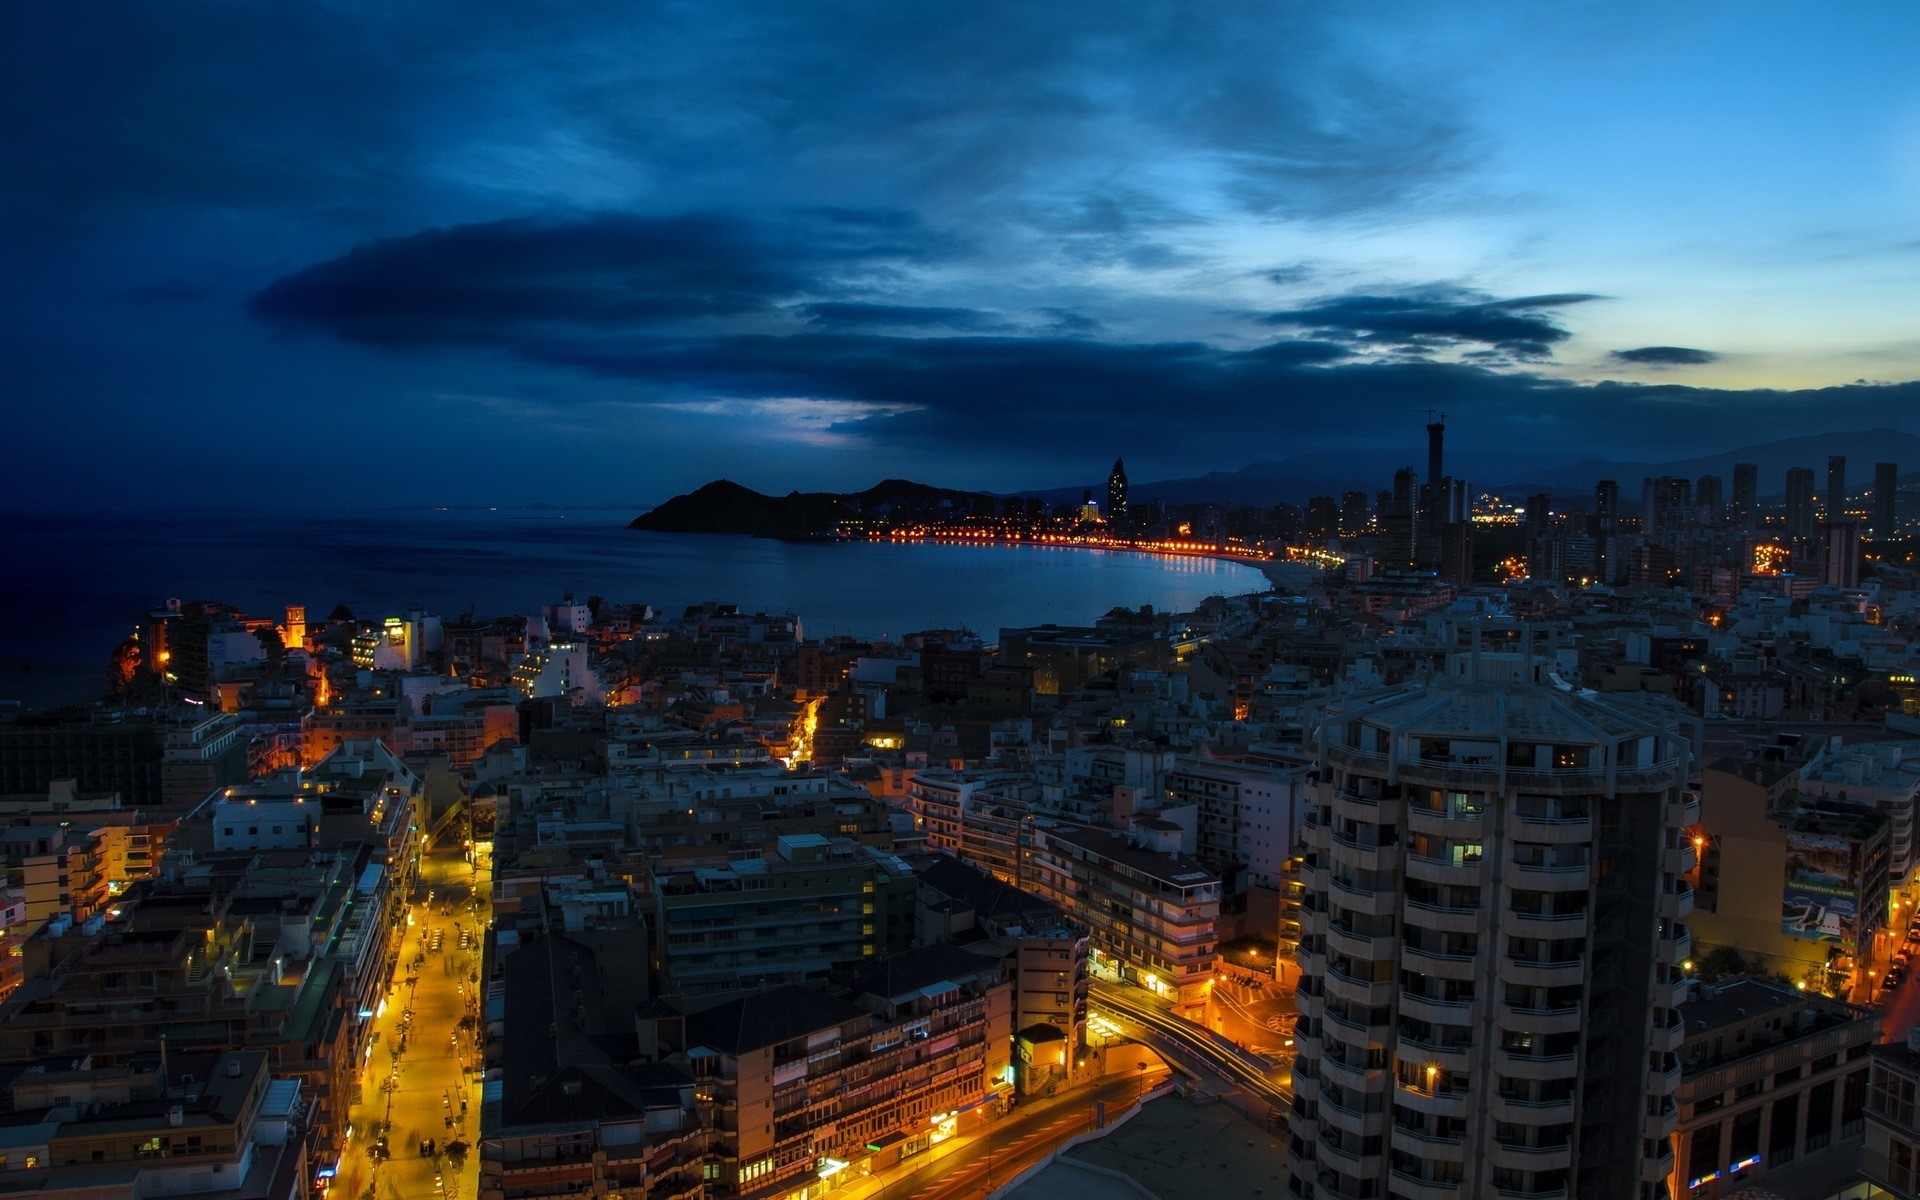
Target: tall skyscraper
point(1836, 487)
point(1606, 505)
point(1117, 491)
point(1666, 504)
point(1492, 942)
point(1399, 519)
point(1746, 494)
point(1886, 499)
point(1800, 502)
point(1706, 499)
point(1840, 558)
point(1353, 513)
point(1436, 439)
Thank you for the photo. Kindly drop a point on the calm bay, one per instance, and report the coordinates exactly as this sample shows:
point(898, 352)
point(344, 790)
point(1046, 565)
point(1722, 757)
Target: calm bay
point(76, 584)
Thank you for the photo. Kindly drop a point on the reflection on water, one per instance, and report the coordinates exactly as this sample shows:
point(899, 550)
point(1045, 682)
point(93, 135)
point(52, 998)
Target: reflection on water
point(78, 583)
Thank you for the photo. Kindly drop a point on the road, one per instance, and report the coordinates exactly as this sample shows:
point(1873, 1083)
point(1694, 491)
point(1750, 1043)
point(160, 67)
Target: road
point(418, 1080)
point(1191, 1046)
point(998, 1150)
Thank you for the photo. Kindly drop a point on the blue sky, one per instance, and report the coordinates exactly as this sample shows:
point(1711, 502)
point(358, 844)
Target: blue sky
point(362, 254)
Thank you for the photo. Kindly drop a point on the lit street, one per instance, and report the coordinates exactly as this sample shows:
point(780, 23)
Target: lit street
point(990, 1152)
point(420, 1090)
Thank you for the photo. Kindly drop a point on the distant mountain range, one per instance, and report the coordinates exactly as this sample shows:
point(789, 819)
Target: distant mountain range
point(727, 507)
point(1302, 476)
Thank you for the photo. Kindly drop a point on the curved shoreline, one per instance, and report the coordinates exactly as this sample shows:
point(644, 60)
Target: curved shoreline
point(1281, 574)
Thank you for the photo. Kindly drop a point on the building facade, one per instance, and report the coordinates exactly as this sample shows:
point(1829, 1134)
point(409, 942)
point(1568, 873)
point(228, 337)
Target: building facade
point(1491, 943)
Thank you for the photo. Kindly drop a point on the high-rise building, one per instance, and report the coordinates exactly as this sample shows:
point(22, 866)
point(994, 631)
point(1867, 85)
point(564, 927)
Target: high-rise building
point(1353, 513)
point(1706, 499)
point(1840, 561)
point(1400, 517)
point(1836, 506)
point(1886, 498)
point(1746, 494)
point(1456, 552)
point(1606, 505)
point(1117, 491)
point(1492, 942)
point(1800, 502)
point(1436, 440)
point(1323, 517)
point(1666, 504)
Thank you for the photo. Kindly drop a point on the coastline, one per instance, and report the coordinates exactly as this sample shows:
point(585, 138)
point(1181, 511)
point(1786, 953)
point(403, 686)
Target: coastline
point(1282, 575)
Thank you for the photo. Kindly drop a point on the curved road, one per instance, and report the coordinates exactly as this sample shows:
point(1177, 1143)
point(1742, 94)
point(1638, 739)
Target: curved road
point(1193, 1046)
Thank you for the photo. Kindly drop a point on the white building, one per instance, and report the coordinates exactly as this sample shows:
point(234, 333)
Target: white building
point(1882, 775)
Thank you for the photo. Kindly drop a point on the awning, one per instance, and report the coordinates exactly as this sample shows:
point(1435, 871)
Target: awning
point(886, 1140)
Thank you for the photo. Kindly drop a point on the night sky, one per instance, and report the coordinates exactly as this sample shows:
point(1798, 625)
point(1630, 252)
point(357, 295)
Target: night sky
point(361, 254)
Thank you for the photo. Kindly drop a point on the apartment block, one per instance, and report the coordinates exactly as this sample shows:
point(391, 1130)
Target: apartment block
point(1492, 941)
point(1149, 908)
point(1772, 1077)
point(815, 905)
point(212, 1125)
point(800, 1084)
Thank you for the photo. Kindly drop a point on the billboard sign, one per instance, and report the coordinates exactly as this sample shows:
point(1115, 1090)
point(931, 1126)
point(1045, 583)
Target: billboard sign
point(1821, 899)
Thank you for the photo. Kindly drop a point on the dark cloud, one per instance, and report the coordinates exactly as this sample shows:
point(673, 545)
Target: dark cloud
point(610, 271)
point(1288, 276)
point(962, 396)
point(701, 308)
point(1665, 356)
point(365, 113)
point(1067, 321)
point(856, 314)
point(1436, 318)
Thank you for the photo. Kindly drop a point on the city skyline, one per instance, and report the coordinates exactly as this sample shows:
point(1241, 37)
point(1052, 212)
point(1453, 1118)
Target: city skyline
point(605, 257)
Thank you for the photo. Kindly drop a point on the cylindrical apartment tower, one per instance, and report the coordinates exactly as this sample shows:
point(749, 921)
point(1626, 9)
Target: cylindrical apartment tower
point(1492, 944)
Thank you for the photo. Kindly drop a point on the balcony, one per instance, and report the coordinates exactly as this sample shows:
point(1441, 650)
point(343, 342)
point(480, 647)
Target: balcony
point(1467, 873)
point(1438, 1011)
point(1678, 902)
point(1415, 1188)
point(1334, 1070)
point(1352, 1120)
point(1524, 1065)
point(1546, 926)
point(1373, 902)
point(1437, 1104)
point(1555, 824)
point(1532, 1158)
point(1437, 963)
point(1662, 1122)
point(1364, 856)
point(1441, 919)
point(1430, 1147)
point(1342, 939)
point(1355, 990)
point(1680, 860)
point(1551, 876)
point(1448, 1056)
point(1682, 812)
point(1509, 1106)
point(1544, 972)
point(1446, 824)
point(1564, 1019)
point(1372, 809)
